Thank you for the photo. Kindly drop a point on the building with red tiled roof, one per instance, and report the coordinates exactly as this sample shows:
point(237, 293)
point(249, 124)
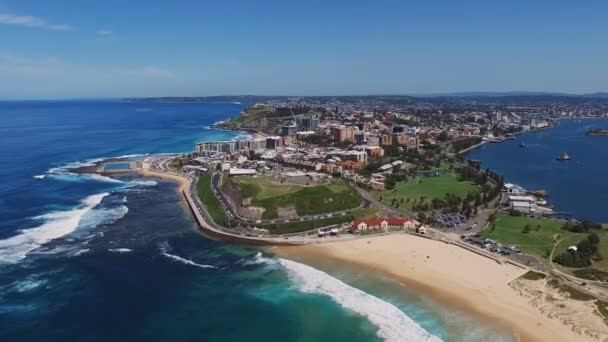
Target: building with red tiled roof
point(384, 223)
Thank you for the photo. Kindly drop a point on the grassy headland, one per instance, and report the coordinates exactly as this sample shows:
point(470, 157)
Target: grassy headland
point(206, 195)
point(307, 200)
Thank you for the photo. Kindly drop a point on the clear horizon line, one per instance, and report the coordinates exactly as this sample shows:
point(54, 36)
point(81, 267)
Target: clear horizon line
point(429, 94)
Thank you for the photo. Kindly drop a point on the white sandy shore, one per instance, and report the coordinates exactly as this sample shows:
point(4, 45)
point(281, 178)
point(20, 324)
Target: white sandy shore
point(453, 276)
point(182, 181)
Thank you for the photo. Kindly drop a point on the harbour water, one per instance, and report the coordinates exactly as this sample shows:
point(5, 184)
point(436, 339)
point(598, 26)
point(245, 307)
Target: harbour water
point(578, 187)
point(89, 257)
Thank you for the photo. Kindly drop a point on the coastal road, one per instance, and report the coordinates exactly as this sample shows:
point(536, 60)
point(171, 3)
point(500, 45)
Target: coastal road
point(369, 199)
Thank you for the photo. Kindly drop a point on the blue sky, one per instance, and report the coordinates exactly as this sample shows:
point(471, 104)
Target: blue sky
point(114, 48)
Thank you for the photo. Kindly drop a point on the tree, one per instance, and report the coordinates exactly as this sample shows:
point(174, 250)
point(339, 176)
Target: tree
point(593, 238)
point(422, 217)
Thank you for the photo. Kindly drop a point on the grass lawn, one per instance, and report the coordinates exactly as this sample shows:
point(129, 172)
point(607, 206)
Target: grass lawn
point(302, 226)
point(603, 264)
point(251, 115)
point(294, 227)
point(211, 202)
point(427, 187)
point(307, 200)
point(536, 242)
point(262, 188)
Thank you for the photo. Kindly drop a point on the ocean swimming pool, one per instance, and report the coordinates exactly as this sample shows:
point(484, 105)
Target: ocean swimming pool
point(117, 166)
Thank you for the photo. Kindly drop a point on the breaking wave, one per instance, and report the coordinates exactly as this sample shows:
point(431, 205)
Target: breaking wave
point(80, 252)
point(74, 177)
point(101, 216)
point(56, 224)
point(25, 285)
point(90, 162)
point(186, 261)
point(120, 250)
point(73, 165)
point(392, 323)
point(258, 259)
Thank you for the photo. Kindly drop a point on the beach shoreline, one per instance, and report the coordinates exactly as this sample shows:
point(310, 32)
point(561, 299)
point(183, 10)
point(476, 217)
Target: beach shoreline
point(452, 275)
point(478, 284)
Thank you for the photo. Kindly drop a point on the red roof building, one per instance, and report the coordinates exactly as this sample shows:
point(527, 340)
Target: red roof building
point(384, 223)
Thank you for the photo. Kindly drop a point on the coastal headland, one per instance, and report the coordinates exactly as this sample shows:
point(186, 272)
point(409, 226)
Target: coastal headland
point(481, 284)
point(279, 189)
point(465, 280)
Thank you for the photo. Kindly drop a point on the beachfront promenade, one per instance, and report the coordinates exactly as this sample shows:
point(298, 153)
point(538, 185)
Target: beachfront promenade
point(159, 167)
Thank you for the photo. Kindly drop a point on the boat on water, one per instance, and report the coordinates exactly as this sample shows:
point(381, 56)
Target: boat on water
point(564, 156)
point(540, 193)
point(523, 144)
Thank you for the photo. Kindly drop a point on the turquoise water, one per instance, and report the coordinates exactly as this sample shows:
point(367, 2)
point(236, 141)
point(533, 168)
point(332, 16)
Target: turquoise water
point(578, 188)
point(95, 258)
point(116, 166)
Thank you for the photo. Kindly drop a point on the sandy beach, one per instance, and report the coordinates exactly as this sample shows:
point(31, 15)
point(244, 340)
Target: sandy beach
point(182, 181)
point(464, 280)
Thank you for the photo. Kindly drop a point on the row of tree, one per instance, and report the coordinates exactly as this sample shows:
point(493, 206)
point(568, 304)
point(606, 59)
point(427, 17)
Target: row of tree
point(465, 143)
point(581, 227)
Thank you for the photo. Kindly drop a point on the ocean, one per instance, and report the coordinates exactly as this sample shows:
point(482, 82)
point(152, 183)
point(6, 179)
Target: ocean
point(578, 188)
point(93, 258)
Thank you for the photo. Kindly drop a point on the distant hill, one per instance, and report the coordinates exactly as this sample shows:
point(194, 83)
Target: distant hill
point(603, 95)
point(494, 94)
point(512, 93)
point(499, 98)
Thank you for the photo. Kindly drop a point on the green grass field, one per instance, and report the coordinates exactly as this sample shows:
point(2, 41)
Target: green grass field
point(251, 116)
point(294, 227)
point(307, 200)
point(427, 187)
point(211, 202)
point(538, 240)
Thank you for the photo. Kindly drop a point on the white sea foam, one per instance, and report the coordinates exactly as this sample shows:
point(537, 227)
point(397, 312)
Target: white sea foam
point(63, 169)
point(392, 323)
point(258, 259)
point(101, 216)
point(243, 136)
point(143, 183)
point(120, 250)
point(101, 178)
point(81, 252)
point(186, 261)
point(27, 285)
point(135, 155)
point(74, 177)
point(73, 165)
point(106, 179)
point(56, 224)
point(39, 176)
